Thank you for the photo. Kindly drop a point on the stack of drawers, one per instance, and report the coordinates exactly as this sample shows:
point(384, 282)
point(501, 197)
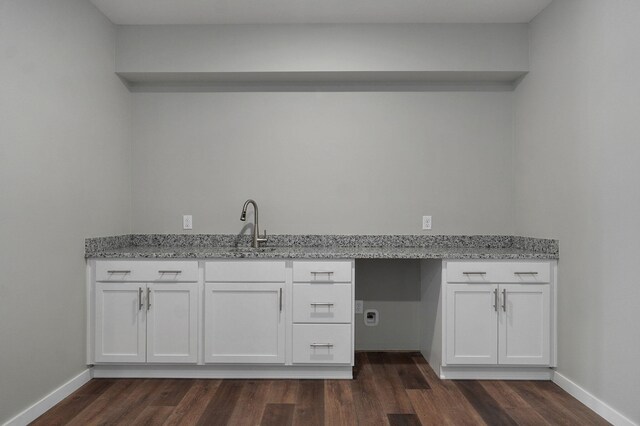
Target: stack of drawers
point(323, 312)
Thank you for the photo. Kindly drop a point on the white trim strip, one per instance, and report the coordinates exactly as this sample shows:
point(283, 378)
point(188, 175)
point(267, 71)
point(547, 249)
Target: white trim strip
point(225, 371)
point(600, 407)
point(46, 403)
point(495, 373)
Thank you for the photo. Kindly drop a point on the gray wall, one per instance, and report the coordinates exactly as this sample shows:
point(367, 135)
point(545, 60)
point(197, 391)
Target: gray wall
point(329, 163)
point(64, 175)
point(577, 175)
point(333, 163)
point(393, 288)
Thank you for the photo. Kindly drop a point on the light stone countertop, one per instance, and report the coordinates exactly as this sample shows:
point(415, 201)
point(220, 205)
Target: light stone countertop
point(188, 246)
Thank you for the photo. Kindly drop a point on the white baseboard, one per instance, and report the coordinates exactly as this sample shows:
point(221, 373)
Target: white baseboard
point(46, 403)
point(600, 407)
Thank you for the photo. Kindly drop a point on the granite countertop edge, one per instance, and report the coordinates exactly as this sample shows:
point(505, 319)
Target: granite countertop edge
point(186, 246)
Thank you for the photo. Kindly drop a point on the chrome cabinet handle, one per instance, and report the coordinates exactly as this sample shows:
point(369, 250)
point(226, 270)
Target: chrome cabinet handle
point(315, 274)
point(280, 300)
point(119, 272)
point(495, 300)
point(148, 298)
point(525, 273)
point(321, 304)
point(139, 298)
point(170, 272)
point(504, 300)
point(474, 273)
point(321, 345)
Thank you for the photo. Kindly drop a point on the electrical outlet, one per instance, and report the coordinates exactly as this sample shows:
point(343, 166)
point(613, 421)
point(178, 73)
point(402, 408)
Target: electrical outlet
point(426, 222)
point(359, 306)
point(371, 317)
point(187, 221)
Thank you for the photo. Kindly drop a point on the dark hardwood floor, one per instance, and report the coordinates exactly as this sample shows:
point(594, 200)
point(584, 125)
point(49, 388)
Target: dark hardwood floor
point(390, 388)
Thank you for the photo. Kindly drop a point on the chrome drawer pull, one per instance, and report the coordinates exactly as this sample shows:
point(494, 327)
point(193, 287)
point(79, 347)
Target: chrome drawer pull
point(495, 299)
point(322, 304)
point(170, 272)
point(321, 345)
point(315, 274)
point(525, 273)
point(148, 298)
point(139, 298)
point(119, 272)
point(474, 273)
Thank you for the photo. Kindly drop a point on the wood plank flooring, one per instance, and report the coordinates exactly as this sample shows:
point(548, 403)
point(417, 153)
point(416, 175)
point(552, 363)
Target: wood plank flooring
point(389, 388)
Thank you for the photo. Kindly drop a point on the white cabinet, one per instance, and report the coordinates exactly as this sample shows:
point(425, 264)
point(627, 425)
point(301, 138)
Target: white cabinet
point(221, 318)
point(322, 344)
point(498, 323)
point(147, 271)
point(244, 323)
point(145, 322)
point(498, 272)
point(339, 271)
point(120, 333)
point(155, 323)
point(323, 299)
point(172, 323)
point(244, 315)
point(523, 324)
point(471, 324)
point(322, 303)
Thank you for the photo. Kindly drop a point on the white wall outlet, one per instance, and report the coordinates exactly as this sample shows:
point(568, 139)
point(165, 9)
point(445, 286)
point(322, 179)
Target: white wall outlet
point(187, 221)
point(359, 306)
point(371, 317)
point(426, 222)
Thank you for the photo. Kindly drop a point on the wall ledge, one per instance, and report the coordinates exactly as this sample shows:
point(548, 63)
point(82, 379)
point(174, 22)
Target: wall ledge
point(327, 81)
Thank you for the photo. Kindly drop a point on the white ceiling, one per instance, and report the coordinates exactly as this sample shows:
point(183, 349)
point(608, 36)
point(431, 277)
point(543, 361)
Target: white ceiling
point(142, 12)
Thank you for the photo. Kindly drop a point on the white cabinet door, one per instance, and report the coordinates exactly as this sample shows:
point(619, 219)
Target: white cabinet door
point(172, 323)
point(244, 323)
point(120, 322)
point(471, 324)
point(524, 330)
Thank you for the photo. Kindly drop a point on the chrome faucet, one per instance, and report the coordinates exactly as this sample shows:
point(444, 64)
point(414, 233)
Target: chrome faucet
point(256, 231)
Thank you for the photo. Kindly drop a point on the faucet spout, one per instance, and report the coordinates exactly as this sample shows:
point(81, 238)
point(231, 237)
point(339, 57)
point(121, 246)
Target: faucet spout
point(256, 230)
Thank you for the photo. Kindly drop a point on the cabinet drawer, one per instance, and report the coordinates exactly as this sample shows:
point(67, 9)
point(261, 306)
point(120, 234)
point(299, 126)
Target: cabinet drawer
point(322, 344)
point(146, 271)
point(322, 303)
point(119, 270)
point(322, 271)
point(245, 271)
point(473, 272)
point(527, 272)
point(498, 272)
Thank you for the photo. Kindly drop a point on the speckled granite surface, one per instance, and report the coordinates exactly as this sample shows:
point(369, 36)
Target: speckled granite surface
point(190, 246)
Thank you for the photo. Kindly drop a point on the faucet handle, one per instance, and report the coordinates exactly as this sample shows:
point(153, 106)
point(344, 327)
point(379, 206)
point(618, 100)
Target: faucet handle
point(264, 237)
